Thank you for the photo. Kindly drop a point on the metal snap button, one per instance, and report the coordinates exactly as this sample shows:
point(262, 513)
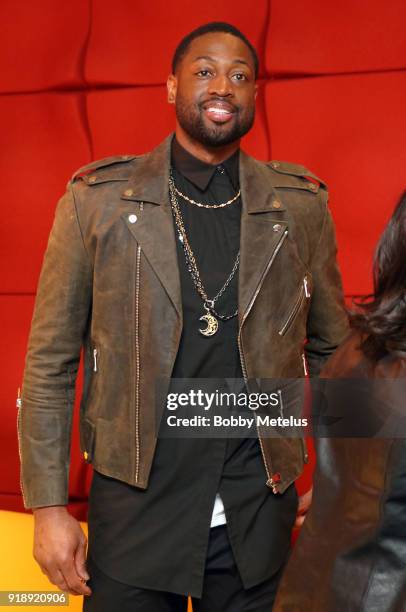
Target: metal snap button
point(128, 192)
point(132, 218)
point(277, 227)
point(92, 179)
point(276, 204)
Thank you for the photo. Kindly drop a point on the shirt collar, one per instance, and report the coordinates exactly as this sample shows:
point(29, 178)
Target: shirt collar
point(199, 172)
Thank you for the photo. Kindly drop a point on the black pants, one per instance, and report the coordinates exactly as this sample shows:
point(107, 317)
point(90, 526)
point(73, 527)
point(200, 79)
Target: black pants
point(223, 590)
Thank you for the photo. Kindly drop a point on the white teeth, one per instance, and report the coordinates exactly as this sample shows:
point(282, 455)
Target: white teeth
point(219, 110)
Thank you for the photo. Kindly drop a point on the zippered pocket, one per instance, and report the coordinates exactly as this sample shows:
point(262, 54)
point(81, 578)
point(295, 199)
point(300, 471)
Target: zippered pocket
point(304, 294)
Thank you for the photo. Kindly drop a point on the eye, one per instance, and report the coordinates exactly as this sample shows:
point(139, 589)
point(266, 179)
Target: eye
point(239, 76)
point(203, 73)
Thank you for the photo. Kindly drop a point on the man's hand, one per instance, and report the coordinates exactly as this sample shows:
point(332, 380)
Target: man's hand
point(303, 507)
point(60, 549)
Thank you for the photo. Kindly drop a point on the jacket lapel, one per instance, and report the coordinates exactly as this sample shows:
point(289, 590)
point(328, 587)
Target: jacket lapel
point(153, 229)
point(263, 225)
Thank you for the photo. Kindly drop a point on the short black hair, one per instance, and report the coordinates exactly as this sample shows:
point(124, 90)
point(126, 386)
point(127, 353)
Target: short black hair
point(207, 28)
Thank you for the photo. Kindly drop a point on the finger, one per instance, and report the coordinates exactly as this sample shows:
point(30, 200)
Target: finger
point(75, 582)
point(80, 561)
point(56, 577)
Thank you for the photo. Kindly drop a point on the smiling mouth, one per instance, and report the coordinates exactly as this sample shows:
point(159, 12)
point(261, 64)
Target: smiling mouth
point(219, 113)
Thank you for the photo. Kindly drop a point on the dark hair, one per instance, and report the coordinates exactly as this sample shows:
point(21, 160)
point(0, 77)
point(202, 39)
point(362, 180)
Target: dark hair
point(207, 28)
point(383, 317)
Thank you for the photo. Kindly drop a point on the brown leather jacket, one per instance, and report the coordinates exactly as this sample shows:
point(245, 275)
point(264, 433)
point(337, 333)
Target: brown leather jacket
point(110, 284)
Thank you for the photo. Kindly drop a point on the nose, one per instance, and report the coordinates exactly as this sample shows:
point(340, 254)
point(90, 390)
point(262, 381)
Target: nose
point(220, 85)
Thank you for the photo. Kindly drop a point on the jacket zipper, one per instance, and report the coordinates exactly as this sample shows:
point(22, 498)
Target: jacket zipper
point(19, 406)
point(95, 360)
point(137, 359)
point(304, 292)
point(306, 287)
point(268, 468)
point(303, 441)
point(304, 364)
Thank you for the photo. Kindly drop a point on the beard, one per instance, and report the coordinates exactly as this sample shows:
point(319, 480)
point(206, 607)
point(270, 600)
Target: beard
point(191, 119)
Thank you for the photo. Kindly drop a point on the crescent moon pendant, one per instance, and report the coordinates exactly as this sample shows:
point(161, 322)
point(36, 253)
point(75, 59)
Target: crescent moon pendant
point(212, 325)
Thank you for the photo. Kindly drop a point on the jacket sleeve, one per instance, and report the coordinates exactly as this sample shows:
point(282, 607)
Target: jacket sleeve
point(58, 325)
point(327, 323)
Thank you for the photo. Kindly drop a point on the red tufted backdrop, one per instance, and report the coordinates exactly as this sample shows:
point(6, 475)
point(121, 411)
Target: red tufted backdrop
point(85, 79)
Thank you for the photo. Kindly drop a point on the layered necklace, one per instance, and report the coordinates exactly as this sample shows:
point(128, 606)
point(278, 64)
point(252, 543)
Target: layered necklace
point(211, 316)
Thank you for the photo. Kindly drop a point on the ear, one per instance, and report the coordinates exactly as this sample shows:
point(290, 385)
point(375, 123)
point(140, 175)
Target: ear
point(171, 84)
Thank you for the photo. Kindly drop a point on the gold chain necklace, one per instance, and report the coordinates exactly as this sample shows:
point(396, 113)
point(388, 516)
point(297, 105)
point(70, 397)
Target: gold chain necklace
point(200, 204)
point(211, 317)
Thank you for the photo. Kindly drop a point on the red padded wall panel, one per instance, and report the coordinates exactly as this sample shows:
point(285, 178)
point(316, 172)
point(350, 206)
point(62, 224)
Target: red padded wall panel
point(132, 42)
point(135, 120)
point(42, 43)
point(329, 37)
point(43, 142)
point(118, 120)
point(351, 131)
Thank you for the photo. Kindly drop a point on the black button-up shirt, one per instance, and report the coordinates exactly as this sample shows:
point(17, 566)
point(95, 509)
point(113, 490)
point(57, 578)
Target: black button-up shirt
point(157, 538)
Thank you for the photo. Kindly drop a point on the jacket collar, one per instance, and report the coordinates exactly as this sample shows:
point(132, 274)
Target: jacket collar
point(149, 181)
point(261, 234)
point(199, 172)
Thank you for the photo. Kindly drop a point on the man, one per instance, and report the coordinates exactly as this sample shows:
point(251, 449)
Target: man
point(142, 250)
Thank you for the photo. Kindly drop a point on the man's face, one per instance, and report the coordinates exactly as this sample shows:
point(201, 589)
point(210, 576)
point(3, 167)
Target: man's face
point(214, 89)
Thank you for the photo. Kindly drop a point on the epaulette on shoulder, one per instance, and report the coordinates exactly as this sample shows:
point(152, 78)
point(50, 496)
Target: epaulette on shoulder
point(296, 170)
point(89, 172)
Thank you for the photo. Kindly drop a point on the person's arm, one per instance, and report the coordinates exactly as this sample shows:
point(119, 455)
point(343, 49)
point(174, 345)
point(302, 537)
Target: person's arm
point(58, 325)
point(59, 322)
point(327, 323)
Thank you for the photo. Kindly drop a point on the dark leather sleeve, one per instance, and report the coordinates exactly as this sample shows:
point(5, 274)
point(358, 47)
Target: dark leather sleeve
point(327, 324)
point(58, 325)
